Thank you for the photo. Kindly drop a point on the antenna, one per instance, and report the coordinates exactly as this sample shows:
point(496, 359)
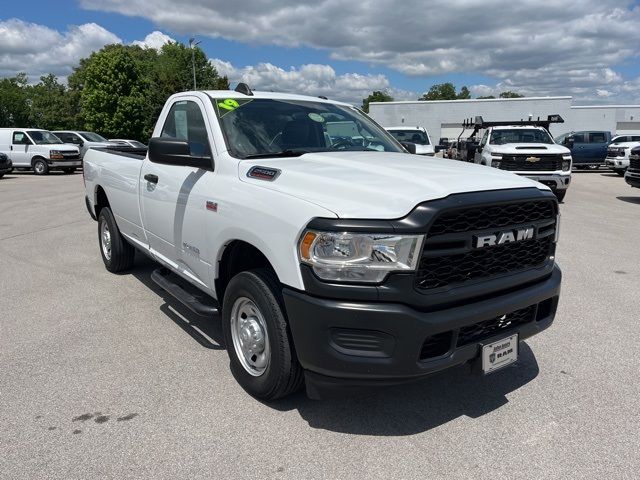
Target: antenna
point(244, 89)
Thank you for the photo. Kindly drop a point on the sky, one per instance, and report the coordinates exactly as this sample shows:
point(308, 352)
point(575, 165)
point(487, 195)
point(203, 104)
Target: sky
point(589, 49)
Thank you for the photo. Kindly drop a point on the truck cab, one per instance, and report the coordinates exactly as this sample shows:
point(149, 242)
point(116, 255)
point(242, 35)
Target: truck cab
point(416, 135)
point(527, 149)
point(84, 140)
point(588, 148)
point(39, 150)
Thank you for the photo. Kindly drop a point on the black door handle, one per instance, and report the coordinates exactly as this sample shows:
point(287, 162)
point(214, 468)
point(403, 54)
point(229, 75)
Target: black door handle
point(150, 177)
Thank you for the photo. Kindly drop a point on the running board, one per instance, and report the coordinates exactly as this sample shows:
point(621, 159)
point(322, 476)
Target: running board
point(195, 300)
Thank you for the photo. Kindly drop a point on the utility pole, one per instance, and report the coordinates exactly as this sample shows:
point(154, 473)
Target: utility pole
point(192, 45)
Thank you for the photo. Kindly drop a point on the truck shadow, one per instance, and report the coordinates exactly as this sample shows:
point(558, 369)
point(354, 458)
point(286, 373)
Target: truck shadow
point(204, 330)
point(635, 200)
point(417, 407)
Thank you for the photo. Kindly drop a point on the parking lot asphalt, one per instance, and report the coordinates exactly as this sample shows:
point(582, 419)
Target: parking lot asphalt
point(104, 376)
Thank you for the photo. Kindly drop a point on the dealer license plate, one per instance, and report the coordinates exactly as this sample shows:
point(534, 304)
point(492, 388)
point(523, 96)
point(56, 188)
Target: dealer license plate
point(499, 354)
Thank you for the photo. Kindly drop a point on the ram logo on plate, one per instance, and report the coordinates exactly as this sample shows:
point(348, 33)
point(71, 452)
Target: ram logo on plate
point(263, 173)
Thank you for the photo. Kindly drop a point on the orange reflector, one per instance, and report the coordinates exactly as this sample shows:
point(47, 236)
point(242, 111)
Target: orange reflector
point(305, 245)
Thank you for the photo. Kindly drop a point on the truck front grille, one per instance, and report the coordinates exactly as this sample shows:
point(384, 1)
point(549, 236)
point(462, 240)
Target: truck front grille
point(634, 162)
point(449, 258)
point(483, 330)
point(532, 162)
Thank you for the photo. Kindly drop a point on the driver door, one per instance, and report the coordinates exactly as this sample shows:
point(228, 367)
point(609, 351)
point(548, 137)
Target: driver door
point(174, 197)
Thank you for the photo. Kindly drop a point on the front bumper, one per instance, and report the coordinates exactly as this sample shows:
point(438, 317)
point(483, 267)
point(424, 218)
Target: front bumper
point(64, 163)
point(618, 163)
point(633, 178)
point(347, 343)
point(555, 181)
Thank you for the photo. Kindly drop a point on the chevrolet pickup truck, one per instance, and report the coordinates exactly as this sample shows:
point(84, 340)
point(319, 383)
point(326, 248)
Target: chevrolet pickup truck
point(527, 148)
point(338, 263)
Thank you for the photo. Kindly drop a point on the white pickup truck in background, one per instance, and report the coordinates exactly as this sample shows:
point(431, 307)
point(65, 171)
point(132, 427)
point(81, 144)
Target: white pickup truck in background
point(339, 261)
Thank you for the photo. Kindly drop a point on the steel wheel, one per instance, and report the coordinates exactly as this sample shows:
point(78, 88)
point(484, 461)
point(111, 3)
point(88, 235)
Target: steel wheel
point(39, 167)
point(105, 240)
point(250, 337)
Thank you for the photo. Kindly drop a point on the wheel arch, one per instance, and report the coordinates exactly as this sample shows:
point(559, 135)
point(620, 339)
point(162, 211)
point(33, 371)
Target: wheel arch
point(100, 200)
point(238, 256)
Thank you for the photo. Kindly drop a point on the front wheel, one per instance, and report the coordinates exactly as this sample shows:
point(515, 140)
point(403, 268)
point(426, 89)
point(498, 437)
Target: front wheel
point(560, 194)
point(259, 345)
point(117, 254)
point(40, 167)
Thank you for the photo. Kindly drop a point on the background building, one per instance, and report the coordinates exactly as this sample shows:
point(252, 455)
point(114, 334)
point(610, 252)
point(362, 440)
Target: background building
point(443, 118)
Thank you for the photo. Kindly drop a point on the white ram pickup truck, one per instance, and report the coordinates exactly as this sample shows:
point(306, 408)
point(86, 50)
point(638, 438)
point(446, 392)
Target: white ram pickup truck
point(339, 262)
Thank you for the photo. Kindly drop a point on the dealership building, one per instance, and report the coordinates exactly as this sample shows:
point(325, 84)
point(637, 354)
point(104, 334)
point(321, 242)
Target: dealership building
point(443, 118)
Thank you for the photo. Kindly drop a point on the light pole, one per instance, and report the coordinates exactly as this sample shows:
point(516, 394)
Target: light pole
point(192, 45)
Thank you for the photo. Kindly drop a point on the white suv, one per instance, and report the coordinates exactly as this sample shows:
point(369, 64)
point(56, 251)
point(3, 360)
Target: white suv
point(619, 150)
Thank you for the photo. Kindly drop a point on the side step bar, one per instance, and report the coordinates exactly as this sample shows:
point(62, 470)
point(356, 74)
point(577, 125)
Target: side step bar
point(199, 302)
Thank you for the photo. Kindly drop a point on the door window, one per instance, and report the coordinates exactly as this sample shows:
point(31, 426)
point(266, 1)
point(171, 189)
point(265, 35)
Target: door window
point(578, 138)
point(597, 137)
point(185, 122)
point(20, 138)
point(484, 139)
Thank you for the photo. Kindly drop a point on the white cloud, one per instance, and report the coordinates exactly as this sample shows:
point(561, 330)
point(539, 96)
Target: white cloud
point(39, 50)
point(551, 48)
point(155, 40)
point(310, 79)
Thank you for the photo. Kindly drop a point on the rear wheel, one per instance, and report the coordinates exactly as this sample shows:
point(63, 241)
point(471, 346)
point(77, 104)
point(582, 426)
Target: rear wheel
point(259, 344)
point(560, 194)
point(117, 254)
point(40, 166)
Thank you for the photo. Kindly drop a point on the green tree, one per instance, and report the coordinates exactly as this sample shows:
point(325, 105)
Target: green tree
point(51, 105)
point(486, 97)
point(377, 96)
point(441, 91)
point(446, 91)
point(510, 94)
point(14, 103)
point(112, 85)
point(464, 94)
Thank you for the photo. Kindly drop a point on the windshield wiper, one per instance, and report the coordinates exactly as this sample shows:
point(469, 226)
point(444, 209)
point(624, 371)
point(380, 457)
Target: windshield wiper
point(283, 153)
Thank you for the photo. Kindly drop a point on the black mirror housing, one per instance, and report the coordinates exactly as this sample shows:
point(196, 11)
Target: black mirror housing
point(411, 147)
point(173, 151)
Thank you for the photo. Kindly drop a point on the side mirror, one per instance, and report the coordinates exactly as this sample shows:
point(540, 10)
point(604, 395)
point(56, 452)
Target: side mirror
point(172, 151)
point(411, 147)
point(479, 149)
point(568, 142)
point(80, 143)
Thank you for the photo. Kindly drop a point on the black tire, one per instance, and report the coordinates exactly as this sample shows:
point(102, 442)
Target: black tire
point(40, 166)
point(620, 172)
point(1, 175)
point(283, 374)
point(69, 170)
point(120, 253)
point(560, 194)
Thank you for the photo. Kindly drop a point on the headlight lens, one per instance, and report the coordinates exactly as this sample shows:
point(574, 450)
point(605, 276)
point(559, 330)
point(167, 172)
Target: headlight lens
point(358, 257)
point(566, 163)
point(55, 154)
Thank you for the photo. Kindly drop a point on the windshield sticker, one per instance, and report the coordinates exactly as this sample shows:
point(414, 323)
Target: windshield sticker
point(316, 117)
point(229, 105)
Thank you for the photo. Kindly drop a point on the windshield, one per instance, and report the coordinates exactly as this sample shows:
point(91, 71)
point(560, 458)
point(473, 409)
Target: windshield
point(520, 135)
point(42, 137)
point(267, 127)
point(411, 136)
point(93, 137)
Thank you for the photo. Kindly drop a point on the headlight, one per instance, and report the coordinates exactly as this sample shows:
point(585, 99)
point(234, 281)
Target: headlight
point(55, 154)
point(358, 257)
point(495, 160)
point(495, 163)
point(566, 163)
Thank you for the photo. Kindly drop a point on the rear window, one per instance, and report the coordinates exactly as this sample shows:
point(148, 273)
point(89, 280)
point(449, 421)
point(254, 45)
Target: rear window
point(411, 136)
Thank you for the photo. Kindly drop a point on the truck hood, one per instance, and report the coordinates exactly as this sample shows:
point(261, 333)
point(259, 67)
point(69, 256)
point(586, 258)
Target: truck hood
point(375, 184)
point(542, 148)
